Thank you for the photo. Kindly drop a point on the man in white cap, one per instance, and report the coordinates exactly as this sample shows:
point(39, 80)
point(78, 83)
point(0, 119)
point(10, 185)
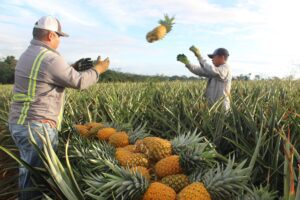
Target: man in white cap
point(219, 74)
point(41, 77)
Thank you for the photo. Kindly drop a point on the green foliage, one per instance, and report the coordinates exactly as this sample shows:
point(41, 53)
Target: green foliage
point(7, 70)
point(261, 112)
point(117, 76)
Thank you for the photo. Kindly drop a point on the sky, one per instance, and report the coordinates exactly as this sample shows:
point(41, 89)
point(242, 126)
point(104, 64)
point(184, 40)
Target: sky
point(262, 36)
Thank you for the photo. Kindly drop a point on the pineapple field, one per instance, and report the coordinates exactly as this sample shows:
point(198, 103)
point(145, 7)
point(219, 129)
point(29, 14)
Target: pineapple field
point(161, 141)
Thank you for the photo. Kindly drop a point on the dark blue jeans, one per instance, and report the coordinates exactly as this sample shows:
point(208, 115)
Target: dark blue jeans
point(20, 135)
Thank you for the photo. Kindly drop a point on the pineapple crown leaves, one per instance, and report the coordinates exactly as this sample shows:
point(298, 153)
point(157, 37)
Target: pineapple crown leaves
point(197, 175)
point(167, 22)
point(200, 156)
point(120, 183)
point(187, 140)
point(138, 133)
point(91, 155)
point(259, 193)
point(227, 183)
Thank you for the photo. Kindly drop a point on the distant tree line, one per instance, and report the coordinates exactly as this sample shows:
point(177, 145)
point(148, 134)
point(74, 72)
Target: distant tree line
point(117, 76)
point(7, 70)
point(8, 64)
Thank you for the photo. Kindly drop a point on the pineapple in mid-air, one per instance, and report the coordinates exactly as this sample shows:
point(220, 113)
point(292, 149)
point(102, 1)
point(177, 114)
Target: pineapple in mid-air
point(160, 31)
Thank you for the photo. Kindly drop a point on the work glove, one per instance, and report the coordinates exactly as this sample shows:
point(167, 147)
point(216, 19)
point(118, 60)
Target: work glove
point(196, 51)
point(182, 58)
point(83, 64)
point(101, 65)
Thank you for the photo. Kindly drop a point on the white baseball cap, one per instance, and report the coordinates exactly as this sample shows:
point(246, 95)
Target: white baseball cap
point(50, 23)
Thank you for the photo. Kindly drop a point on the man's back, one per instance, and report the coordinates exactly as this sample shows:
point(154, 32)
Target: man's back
point(218, 88)
point(40, 79)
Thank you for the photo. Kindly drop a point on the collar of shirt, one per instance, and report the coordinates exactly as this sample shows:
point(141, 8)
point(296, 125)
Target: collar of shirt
point(40, 43)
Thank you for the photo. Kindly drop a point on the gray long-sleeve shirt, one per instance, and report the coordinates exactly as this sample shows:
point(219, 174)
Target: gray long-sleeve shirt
point(219, 80)
point(41, 77)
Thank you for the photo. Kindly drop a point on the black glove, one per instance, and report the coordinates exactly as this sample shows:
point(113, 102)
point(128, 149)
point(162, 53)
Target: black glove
point(83, 64)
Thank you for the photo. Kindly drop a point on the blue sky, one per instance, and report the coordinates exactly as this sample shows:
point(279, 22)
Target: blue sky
point(262, 36)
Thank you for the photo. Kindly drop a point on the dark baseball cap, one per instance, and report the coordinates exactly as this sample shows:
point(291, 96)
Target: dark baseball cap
point(219, 52)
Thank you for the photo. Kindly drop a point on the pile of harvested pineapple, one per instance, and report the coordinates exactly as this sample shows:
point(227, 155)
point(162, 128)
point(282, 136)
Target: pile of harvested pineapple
point(184, 168)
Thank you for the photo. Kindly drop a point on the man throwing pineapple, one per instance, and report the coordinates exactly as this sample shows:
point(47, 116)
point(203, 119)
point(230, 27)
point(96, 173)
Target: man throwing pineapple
point(219, 74)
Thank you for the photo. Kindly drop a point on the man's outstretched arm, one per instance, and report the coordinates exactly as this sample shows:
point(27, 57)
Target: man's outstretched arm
point(198, 70)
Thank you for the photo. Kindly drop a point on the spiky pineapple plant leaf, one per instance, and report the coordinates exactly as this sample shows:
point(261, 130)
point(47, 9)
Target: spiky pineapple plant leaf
point(90, 155)
point(120, 183)
point(168, 22)
point(138, 133)
point(223, 182)
point(201, 156)
point(186, 140)
point(226, 183)
point(259, 193)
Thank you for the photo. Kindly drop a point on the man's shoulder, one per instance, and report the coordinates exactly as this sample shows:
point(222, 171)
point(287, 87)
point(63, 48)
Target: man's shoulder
point(53, 57)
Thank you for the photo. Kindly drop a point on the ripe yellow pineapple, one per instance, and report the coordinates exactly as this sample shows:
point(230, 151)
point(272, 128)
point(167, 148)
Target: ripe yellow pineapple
point(105, 133)
point(142, 170)
point(130, 148)
point(194, 191)
point(159, 191)
point(177, 182)
point(91, 125)
point(154, 147)
point(168, 166)
point(127, 158)
point(160, 31)
point(94, 127)
point(83, 131)
point(119, 139)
